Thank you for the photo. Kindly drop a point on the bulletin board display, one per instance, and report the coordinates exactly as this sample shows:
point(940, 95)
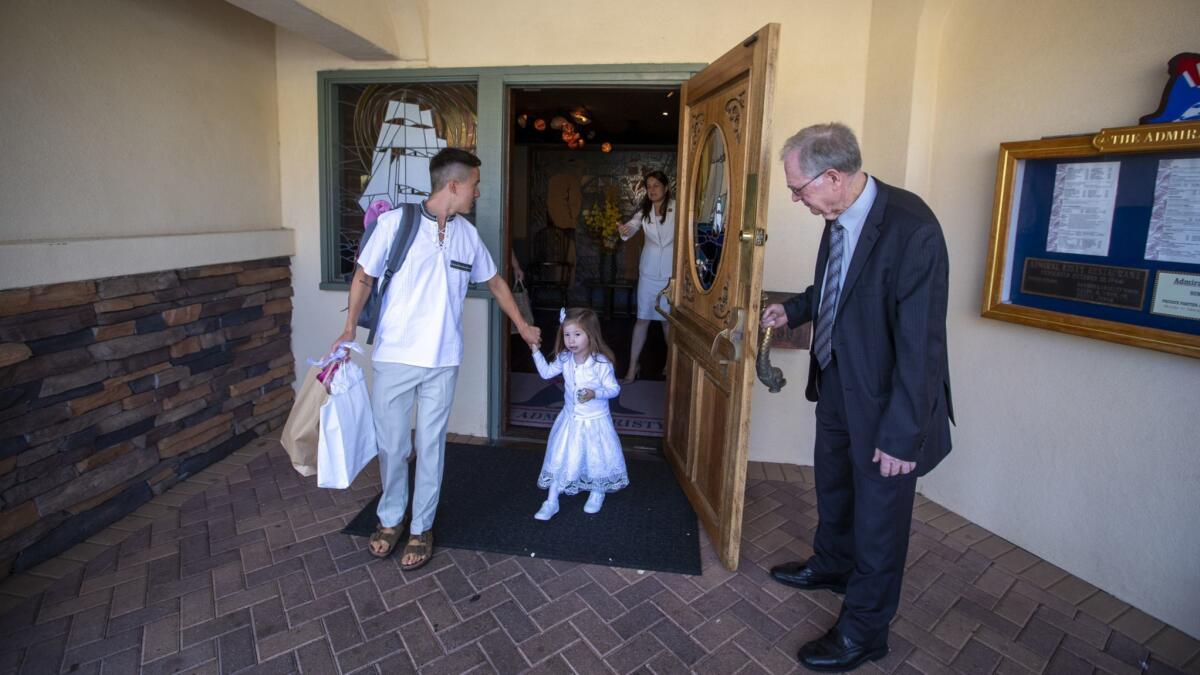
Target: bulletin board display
point(1099, 235)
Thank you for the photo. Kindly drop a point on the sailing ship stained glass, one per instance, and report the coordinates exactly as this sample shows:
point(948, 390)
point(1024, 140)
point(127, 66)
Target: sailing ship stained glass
point(387, 133)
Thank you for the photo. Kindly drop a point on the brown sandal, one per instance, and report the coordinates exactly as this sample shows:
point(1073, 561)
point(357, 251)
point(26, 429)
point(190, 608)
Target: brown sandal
point(390, 538)
point(419, 545)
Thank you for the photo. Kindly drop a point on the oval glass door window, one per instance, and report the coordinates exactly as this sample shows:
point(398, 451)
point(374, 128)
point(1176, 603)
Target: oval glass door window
point(711, 194)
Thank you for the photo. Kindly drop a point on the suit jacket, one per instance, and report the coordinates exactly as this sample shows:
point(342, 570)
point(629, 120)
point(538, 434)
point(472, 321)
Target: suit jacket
point(889, 334)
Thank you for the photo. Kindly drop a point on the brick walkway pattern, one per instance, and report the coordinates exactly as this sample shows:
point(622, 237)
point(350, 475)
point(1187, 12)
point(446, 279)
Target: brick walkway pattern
point(241, 569)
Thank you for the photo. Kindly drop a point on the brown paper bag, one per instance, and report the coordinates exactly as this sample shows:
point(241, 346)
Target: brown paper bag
point(300, 435)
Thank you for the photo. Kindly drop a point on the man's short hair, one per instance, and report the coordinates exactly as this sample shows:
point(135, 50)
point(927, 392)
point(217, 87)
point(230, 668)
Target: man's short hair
point(824, 146)
point(450, 164)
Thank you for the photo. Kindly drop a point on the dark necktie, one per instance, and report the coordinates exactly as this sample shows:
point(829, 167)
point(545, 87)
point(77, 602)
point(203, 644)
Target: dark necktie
point(823, 333)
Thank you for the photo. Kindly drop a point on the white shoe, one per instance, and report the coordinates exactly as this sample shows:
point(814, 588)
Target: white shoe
point(594, 502)
point(547, 511)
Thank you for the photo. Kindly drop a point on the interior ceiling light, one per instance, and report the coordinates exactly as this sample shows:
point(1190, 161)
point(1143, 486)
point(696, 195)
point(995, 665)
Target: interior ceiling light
point(565, 125)
point(580, 115)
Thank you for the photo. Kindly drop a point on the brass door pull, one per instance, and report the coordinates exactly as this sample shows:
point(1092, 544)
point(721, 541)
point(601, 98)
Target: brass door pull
point(733, 335)
point(772, 376)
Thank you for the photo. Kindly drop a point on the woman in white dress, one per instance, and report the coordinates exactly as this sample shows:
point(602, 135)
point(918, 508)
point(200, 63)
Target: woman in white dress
point(656, 217)
point(584, 451)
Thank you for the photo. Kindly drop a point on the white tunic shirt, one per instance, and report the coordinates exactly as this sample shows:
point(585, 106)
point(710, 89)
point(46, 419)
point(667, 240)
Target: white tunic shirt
point(421, 323)
point(659, 250)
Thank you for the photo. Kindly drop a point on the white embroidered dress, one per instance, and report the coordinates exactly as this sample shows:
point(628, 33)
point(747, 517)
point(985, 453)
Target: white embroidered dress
point(584, 451)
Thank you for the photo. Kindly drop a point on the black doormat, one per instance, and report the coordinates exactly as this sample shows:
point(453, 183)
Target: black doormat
point(489, 496)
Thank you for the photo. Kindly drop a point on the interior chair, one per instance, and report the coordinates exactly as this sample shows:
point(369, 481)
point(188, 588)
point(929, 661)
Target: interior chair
point(552, 268)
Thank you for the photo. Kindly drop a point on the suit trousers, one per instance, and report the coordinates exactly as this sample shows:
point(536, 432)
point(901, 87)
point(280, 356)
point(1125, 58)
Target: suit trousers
point(396, 390)
point(863, 520)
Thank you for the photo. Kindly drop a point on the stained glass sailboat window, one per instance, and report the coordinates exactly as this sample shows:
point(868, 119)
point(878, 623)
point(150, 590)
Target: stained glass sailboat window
point(387, 133)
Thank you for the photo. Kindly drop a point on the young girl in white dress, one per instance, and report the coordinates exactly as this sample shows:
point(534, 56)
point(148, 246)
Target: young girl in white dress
point(584, 451)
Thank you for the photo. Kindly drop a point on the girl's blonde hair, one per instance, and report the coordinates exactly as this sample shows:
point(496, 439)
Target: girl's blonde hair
point(587, 320)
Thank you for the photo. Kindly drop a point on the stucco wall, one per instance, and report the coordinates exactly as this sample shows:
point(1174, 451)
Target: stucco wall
point(136, 118)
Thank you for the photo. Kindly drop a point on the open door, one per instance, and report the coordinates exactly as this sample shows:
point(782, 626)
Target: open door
point(715, 292)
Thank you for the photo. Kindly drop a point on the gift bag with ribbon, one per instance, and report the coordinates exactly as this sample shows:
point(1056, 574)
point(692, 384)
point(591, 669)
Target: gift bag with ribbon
point(521, 297)
point(300, 433)
point(347, 427)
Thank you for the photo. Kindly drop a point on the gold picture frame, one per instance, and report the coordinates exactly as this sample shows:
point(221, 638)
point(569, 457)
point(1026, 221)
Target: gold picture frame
point(1101, 289)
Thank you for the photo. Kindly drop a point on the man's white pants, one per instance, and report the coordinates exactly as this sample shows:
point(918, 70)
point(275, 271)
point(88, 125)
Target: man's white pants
point(397, 388)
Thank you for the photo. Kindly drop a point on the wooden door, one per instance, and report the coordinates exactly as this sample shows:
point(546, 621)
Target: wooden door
point(715, 292)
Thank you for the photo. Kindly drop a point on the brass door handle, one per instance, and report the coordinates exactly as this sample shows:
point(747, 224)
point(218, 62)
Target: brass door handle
point(758, 236)
point(733, 335)
point(666, 290)
point(724, 334)
point(768, 374)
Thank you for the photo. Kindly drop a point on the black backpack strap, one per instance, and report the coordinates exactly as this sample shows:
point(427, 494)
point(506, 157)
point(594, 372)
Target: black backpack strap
point(405, 234)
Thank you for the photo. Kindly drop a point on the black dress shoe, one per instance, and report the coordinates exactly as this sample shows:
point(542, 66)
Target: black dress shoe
point(798, 575)
point(836, 653)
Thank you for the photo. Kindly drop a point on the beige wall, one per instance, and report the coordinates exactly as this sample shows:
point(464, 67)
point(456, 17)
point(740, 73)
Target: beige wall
point(363, 30)
point(390, 24)
point(1084, 452)
point(1078, 450)
point(136, 118)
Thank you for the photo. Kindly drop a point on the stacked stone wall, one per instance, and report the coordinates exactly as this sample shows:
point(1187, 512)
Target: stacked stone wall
point(112, 390)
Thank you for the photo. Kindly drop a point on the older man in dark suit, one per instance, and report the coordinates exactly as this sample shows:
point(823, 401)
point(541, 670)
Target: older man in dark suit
point(878, 372)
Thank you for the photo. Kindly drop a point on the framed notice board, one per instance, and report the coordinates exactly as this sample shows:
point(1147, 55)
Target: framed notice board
point(1099, 235)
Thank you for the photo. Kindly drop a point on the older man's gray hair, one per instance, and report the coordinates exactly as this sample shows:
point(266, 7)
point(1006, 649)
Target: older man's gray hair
point(824, 146)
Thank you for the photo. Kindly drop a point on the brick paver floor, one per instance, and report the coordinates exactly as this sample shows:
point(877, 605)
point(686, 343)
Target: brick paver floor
point(241, 569)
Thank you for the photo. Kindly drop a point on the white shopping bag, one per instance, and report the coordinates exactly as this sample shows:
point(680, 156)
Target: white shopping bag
point(347, 430)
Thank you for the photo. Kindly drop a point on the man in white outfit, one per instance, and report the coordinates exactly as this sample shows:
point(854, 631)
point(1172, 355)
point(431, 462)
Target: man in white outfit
point(419, 343)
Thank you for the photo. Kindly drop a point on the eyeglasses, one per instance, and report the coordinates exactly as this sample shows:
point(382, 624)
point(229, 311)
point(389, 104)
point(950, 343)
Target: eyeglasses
point(799, 191)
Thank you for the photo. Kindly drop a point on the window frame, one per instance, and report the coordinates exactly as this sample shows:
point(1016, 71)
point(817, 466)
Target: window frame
point(327, 138)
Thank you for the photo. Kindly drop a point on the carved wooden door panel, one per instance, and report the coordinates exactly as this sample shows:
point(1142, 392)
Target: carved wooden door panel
point(715, 291)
